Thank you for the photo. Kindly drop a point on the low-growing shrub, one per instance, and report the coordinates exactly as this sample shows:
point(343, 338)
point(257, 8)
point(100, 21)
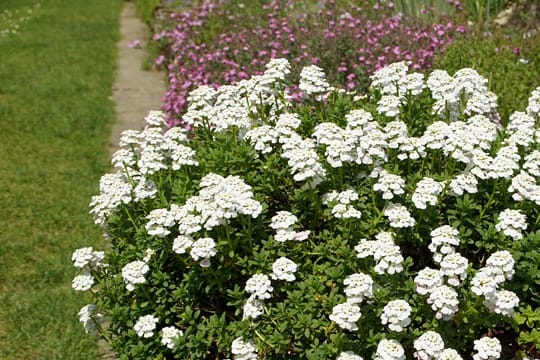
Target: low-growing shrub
point(396, 224)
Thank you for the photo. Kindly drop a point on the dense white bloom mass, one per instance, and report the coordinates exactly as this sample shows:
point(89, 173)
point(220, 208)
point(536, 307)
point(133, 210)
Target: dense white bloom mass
point(133, 273)
point(87, 258)
point(428, 346)
point(283, 269)
point(444, 240)
point(487, 349)
point(313, 80)
point(503, 263)
point(260, 286)
point(243, 350)
point(346, 315)
point(397, 315)
point(502, 302)
point(426, 192)
point(427, 280)
point(82, 282)
point(390, 350)
point(88, 319)
point(399, 216)
point(511, 223)
point(204, 249)
point(169, 335)
point(358, 287)
point(444, 300)
point(145, 326)
point(389, 184)
point(253, 308)
point(454, 267)
point(159, 222)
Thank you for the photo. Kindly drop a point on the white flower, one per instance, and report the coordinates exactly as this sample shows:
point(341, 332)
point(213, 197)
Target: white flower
point(283, 220)
point(488, 349)
point(388, 258)
point(465, 182)
point(87, 258)
point(133, 273)
point(260, 286)
point(203, 248)
point(444, 300)
point(454, 266)
point(155, 119)
point(313, 80)
point(159, 222)
point(277, 69)
point(346, 315)
point(391, 78)
point(532, 163)
point(389, 184)
point(262, 138)
point(182, 243)
point(444, 239)
point(524, 187)
point(511, 223)
point(389, 350)
point(426, 192)
point(397, 315)
point(502, 262)
point(428, 346)
point(243, 350)
point(145, 326)
point(486, 280)
point(283, 269)
point(388, 105)
point(502, 302)
point(169, 335)
point(427, 280)
point(449, 354)
point(358, 287)
point(82, 282)
point(348, 355)
point(253, 308)
point(399, 216)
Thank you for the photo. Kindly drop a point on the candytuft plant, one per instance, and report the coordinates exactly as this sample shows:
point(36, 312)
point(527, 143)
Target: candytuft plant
point(384, 226)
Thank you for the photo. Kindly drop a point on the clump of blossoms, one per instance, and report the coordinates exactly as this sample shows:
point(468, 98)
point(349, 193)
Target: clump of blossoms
point(328, 229)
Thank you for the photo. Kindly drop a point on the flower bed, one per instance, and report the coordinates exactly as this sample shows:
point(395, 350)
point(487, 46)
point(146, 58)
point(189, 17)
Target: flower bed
point(216, 43)
point(400, 223)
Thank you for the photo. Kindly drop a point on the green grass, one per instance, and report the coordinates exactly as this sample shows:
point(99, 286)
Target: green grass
point(56, 76)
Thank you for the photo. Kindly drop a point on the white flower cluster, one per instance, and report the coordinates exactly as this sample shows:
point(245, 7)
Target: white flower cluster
point(259, 286)
point(385, 252)
point(86, 259)
point(219, 200)
point(444, 301)
point(145, 326)
point(389, 184)
point(444, 240)
point(428, 346)
point(346, 315)
point(466, 90)
point(499, 268)
point(390, 349)
point(283, 269)
point(512, 223)
point(283, 223)
point(243, 350)
point(340, 203)
point(397, 314)
point(169, 336)
point(487, 348)
point(134, 272)
point(399, 216)
point(313, 81)
point(358, 286)
point(426, 192)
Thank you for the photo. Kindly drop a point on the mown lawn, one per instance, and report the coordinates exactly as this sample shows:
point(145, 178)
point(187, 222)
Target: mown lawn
point(56, 76)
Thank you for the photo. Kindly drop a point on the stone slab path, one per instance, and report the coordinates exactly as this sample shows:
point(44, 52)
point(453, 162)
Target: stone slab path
point(136, 91)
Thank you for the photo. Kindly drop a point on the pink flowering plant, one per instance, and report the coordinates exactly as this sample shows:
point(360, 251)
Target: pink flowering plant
point(398, 224)
point(223, 42)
